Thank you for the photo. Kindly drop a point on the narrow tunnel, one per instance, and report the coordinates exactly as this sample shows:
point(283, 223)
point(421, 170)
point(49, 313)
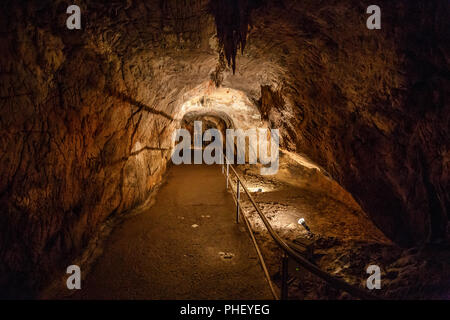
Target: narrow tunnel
point(88, 121)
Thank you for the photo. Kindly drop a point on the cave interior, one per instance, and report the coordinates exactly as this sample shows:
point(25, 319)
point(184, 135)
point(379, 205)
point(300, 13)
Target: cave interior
point(87, 120)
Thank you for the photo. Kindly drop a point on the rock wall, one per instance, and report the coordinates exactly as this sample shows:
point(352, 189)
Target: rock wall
point(85, 121)
point(86, 115)
point(369, 106)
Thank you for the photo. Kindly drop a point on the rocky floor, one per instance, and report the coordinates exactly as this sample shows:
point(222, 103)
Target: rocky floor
point(346, 242)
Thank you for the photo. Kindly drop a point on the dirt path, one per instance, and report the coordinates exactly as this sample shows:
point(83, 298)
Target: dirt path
point(186, 246)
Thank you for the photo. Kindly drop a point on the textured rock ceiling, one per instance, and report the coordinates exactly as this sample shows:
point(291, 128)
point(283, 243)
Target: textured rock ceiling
point(86, 116)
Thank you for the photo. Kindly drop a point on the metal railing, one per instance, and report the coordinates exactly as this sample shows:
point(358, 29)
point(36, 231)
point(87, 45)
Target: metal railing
point(287, 250)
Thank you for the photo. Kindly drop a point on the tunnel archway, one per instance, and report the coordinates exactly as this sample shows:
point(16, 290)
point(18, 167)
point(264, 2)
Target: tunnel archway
point(219, 120)
point(233, 105)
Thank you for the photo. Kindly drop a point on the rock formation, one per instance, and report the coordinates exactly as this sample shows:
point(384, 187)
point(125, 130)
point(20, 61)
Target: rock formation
point(87, 116)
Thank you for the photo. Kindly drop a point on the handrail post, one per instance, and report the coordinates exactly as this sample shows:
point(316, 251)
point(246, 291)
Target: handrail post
point(284, 276)
point(228, 171)
point(237, 201)
point(223, 163)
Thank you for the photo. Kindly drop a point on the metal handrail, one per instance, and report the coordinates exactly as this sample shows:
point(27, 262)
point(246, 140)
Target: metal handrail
point(255, 243)
point(335, 282)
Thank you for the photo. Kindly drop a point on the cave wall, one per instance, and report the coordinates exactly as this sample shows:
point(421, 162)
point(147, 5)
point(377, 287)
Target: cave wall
point(86, 116)
point(370, 106)
point(86, 120)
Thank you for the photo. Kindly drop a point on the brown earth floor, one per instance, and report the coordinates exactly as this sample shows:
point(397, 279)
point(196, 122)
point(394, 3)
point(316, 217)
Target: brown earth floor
point(186, 246)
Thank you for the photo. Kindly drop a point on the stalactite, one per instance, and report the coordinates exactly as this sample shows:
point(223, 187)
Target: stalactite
point(232, 19)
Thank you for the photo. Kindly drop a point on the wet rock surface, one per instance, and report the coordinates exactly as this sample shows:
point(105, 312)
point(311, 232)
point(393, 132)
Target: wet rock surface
point(86, 116)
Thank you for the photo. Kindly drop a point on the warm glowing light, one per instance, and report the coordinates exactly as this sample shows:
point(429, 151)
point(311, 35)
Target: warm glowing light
point(302, 222)
point(301, 159)
point(256, 189)
point(234, 103)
